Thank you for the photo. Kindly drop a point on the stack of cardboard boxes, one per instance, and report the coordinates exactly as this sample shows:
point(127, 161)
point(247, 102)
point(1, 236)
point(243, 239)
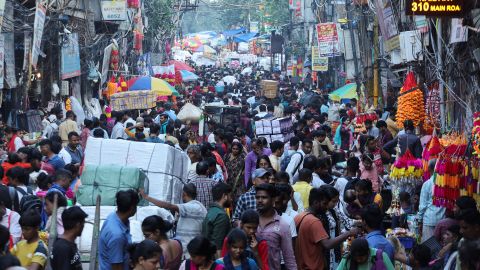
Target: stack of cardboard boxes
point(274, 129)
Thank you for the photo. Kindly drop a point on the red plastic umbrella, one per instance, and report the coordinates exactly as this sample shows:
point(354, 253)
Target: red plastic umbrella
point(179, 65)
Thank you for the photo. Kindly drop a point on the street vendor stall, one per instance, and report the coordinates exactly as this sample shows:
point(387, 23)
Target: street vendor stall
point(133, 100)
point(222, 114)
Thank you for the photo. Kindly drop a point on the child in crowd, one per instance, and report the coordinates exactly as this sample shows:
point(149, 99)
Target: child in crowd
point(202, 255)
point(361, 257)
point(145, 255)
point(61, 205)
point(407, 209)
point(256, 249)
point(236, 257)
point(32, 252)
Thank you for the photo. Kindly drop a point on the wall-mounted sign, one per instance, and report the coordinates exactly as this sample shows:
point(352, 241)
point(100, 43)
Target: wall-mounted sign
point(435, 8)
point(114, 10)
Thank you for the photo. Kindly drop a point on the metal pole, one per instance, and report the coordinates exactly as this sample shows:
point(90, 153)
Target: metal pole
point(354, 45)
point(53, 231)
point(375, 63)
point(439, 74)
point(96, 233)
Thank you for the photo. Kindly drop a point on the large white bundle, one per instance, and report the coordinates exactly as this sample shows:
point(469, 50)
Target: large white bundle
point(190, 112)
point(165, 166)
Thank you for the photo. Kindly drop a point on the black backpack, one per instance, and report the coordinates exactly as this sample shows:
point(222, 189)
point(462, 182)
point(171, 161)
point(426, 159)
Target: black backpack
point(28, 201)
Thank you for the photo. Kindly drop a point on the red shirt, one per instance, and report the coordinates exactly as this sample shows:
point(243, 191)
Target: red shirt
point(262, 252)
point(7, 166)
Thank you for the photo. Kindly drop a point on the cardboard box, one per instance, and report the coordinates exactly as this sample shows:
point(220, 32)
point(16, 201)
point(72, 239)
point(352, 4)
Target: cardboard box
point(259, 124)
point(267, 123)
point(259, 131)
point(267, 130)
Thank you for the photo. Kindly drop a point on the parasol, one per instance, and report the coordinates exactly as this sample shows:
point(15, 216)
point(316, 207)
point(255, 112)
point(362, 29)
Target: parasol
point(229, 79)
point(346, 91)
point(247, 71)
point(179, 65)
point(159, 86)
point(205, 49)
point(188, 76)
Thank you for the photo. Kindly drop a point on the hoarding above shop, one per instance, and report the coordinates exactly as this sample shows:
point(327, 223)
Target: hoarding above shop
point(435, 8)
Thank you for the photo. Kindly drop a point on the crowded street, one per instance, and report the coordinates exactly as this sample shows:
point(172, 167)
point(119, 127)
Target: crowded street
point(211, 135)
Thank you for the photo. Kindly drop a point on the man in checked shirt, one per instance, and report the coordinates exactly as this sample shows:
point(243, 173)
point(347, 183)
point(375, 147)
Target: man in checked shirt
point(247, 201)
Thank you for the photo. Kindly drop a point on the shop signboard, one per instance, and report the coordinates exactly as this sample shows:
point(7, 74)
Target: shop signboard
point(388, 24)
point(70, 57)
point(319, 63)
point(114, 10)
point(436, 8)
point(327, 38)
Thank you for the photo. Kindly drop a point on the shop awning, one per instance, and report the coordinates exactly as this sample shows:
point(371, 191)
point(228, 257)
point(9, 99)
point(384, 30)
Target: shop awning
point(233, 32)
point(245, 37)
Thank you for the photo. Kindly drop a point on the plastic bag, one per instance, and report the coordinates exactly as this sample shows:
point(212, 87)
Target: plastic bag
point(78, 110)
point(189, 112)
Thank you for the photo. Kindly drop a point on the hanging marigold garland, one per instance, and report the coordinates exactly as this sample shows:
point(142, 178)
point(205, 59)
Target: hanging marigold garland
point(410, 102)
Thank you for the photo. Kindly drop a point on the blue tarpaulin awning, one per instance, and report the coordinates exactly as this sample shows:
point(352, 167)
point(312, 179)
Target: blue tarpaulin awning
point(245, 37)
point(233, 32)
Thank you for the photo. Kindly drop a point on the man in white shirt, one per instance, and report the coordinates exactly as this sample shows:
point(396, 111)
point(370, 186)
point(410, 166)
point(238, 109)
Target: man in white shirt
point(10, 219)
point(296, 161)
point(118, 130)
point(51, 127)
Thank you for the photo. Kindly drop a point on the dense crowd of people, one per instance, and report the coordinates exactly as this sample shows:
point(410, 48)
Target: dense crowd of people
point(316, 201)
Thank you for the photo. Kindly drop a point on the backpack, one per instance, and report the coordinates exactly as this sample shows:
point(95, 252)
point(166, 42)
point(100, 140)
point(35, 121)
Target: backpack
point(28, 201)
point(378, 263)
point(284, 163)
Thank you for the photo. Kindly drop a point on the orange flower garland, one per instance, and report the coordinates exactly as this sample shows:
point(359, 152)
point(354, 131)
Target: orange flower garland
point(410, 102)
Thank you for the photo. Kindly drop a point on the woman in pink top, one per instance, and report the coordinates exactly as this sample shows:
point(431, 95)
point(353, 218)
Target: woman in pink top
point(369, 172)
point(155, 229)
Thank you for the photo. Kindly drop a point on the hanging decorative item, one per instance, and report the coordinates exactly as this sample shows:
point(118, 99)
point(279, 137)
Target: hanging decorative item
point(431, 151)
point(405, 175)
point(112, 87)
point(476, 134)
point(114, 58)
point(432, 108)
point(122, 84)
point(133, 3)
point(452, 171)
point(68, 104)
point(410, 102)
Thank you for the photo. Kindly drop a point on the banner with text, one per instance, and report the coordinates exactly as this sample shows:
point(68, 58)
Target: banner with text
point(327, 37)
point(38, 33)
point(9, 55)
point(70, 57)
point(319, 63)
